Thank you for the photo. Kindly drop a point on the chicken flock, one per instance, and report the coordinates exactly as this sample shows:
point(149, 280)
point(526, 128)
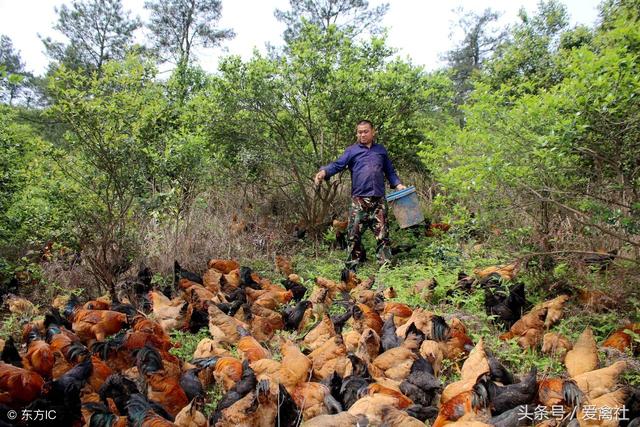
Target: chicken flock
point(339, 353)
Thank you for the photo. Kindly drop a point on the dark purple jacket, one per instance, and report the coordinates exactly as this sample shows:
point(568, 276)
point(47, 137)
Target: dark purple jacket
point(368, 168)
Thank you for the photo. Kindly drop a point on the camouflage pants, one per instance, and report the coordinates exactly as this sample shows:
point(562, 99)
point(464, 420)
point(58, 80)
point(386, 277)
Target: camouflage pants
point(368, 212)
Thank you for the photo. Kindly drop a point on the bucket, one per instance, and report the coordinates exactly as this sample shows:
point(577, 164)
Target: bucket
point(406, 207)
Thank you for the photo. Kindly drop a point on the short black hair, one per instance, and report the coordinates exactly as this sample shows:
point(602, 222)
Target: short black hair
point(366, 122)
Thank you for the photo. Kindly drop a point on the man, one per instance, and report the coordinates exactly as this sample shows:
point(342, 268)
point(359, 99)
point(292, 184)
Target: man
point(369, 164)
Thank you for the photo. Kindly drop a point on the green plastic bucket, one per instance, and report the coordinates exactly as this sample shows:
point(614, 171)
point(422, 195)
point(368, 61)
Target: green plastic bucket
point(406, 207)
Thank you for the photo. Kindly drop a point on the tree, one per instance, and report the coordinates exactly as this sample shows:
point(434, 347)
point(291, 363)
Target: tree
point(178, 26)
point(352, 16)
point(526, 62)
point(288, 115)
point(479, 42)
point(105, 153)
point(13, 76)
point(97, 30)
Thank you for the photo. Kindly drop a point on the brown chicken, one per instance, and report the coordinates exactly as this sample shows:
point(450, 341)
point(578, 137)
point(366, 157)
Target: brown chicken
point(372, 407)
point(559, 392)
point(171, 314)
point(507, 272)
point(39, 357)
point(97, 324)
point(396, 363)
point(601, 381)
point(165, 389)
point(584, 355)
point(368, 346)
point(342, 419)
point(251, 349)
point(554, 308)
point(191, 416)
point(622, 339)
point(403, 401)
point(283, 265)
point(314, 399)
point(18, 387)
point(611, 403)
point(223, 327)
point(295, 367)
point(329, 357)
point(553, 343)
point(224, 266)
point(596, 300)
point(20, 306)
point(474, 368)
point(211, 280)
point(528, 329)
point(365, 317)
point(470, 405)
point(320, 334)
point(393, 417)
point(401, 312)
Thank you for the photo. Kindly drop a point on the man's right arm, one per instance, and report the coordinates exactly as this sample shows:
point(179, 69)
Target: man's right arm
point(335, 167)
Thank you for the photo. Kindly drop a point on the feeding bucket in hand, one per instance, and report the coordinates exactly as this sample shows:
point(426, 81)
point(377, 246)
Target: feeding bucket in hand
point(406, 207)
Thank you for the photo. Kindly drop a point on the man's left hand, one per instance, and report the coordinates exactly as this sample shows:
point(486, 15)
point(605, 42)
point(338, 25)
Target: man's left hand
point(400, 187)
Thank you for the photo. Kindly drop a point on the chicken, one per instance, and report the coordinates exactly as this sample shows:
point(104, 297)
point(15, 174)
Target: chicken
point(432, 352)
point(226, 370)
point(18, 386)
point(141, 413)
point(559, 392)
point(240, 389)
point(403, 401)
point(596, 300)
point(424, 288)
point(169, 313)
point(622, 339)
point(609, 403)
point(506, 306)
point(401, 312)
point(343, 419)
point(584, 355)
point(208, 347)
point(365, 317)
point(98, 414)
point(264, 322)
point(470, 405)
point(368, 347)
point(340, 230)
point(601, 381)
point(250, 348)
point(321, 333)
point(528, 330)
point(283, 265)
point(506, 397)
point(97, 324)
point(190, 416)
point(314, 399)
point(553, 343)
point(475, 367)
point(396, 363)
point(224, 266)
point(421, 386)
point(295, 367)
point(507, 272)
point(223, 327)
point(293, 316)
point(20, 306)
point(554, 310)
point(372, 407)
point(165, 389)
point(330, 357)
point(294, 284)
point(393, 417)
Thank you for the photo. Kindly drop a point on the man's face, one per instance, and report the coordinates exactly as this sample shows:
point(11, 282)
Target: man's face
point(365, 134)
